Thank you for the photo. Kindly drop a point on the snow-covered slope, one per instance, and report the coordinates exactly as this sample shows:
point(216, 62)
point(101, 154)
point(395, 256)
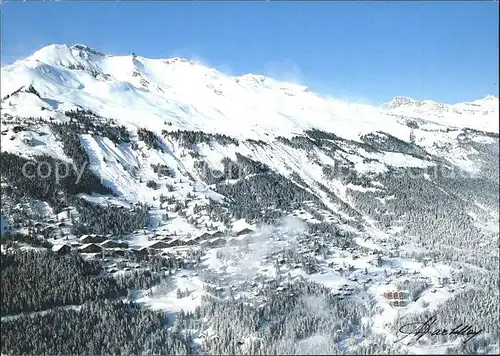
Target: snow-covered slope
point(270, 122)
point(179, 158)
point(147, 92)
point(479, 114)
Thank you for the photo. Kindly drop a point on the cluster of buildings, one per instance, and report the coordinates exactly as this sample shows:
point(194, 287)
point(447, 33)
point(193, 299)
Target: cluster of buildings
point(98, 243)
point(396, 298)
point(90, 244)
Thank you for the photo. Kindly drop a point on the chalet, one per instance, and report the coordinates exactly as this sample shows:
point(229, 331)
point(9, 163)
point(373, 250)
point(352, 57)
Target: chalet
point(217, 234)
point(114, 244)
point(92, 239)
point(192, 241)
point(245, 231)
point(90, 248)
point(61, 249)
point(175, 242)
point(399, 303)
point(216, 242)
point(159, 245)
point(99, 238)
point(141, 251)
point(204, 243)
point(205, 236)
point(118, 252)
point(172, 242)
point(395, 295)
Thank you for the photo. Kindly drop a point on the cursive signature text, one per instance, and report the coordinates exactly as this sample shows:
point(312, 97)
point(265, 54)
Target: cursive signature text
point(419, 330)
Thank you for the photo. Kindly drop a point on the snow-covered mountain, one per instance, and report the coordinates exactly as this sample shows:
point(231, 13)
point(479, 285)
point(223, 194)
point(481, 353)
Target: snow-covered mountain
point(157, 148)
point(165, 95)
point(480, 114)
point(145, 92)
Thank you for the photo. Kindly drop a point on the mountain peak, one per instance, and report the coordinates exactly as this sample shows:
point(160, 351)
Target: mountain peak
point(83, 47)
point(398, 101)
point(62, 53)
point(490, 97)
point(50, 50)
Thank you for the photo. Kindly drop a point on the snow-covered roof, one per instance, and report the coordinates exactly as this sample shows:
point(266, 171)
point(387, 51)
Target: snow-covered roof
point(56, 248)
point(82, 247)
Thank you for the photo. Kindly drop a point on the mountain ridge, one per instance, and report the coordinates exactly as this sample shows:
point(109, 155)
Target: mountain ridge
point(142, 79)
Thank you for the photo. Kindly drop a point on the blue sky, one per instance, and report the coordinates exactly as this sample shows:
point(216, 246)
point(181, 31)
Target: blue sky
point(364, 51)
